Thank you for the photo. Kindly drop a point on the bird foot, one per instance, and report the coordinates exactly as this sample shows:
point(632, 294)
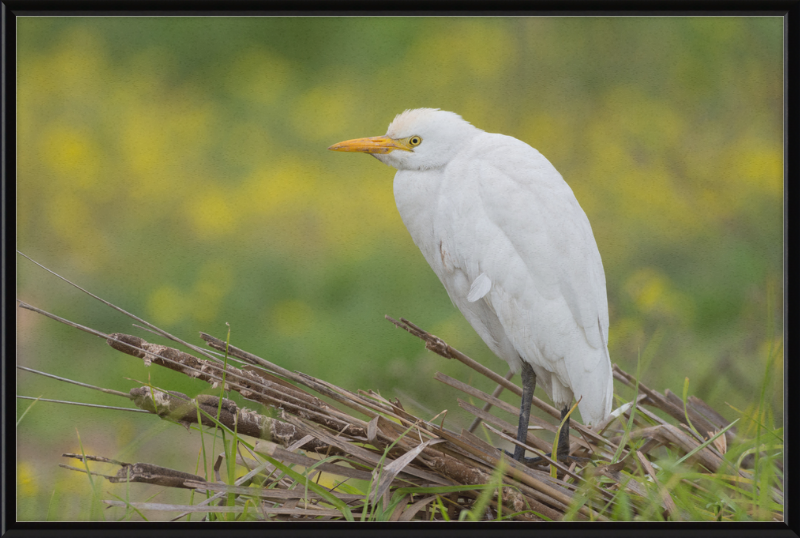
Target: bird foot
point(539, 461)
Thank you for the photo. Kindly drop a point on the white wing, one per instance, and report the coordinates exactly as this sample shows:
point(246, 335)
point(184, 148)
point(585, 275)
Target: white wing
point(538, 213)
point(513, 223)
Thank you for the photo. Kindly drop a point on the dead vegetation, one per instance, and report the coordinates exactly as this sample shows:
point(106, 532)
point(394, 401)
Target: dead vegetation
point(410, 468)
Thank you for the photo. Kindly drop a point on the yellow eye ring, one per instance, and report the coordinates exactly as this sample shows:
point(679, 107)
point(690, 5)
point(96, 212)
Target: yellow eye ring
point(415, 141)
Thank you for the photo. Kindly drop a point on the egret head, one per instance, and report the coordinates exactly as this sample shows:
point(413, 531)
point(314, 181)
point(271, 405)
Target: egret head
point(419, 139)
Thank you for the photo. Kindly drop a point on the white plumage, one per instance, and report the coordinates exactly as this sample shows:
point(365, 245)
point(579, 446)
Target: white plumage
point(504, 233)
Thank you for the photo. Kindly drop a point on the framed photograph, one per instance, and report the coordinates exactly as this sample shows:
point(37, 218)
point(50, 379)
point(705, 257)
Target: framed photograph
point(582, 208)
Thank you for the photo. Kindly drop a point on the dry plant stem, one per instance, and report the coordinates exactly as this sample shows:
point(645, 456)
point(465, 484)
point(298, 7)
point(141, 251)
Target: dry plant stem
point(180, 408)
point(358, 452)
point(613, 472)
point(544, 477)
point(270, 494)
point(121, 345)
point(545, 458)
point(289, 457)
point(78, 326)
point(479, 443)
point(249, 384)
point(82, 404)
point(505, 426)
point(561, 467)
point(239, 481)
point(487, 406)
point(674, 406)
point(65, 380)
point(709, 457)
point(537, 489)
point(158, 330)
point(467, 475)
point(162, 352)
point(719, 421)
point(440, 347)
point(153, 354)
point(672, 510)
point(298, 377)
point(702, 424)
point(221, 509)
point(422, 454)
point(138, 472)
point(671, 435)
point(500, 405)
point(124, 346)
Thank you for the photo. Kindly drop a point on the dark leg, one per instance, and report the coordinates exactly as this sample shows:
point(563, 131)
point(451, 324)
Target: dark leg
point(563, 442)
point(528, 386)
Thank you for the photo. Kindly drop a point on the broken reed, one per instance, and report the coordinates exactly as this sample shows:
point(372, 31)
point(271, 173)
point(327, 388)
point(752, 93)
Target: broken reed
point(417, 469)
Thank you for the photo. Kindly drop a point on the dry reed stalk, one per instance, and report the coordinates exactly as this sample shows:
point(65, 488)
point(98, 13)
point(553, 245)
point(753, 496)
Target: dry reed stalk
point(393, 449)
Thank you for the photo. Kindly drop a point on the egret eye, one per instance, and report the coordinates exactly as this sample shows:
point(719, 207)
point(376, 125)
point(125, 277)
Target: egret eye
point(414, 141)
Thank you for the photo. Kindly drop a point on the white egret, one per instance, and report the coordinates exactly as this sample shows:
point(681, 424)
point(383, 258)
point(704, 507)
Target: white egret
point(505, 234)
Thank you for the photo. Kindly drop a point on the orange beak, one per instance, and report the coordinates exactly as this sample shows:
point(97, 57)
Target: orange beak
point(376, 144)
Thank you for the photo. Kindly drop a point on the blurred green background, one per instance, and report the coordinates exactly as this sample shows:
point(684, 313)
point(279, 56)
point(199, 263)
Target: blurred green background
point(178, 168)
